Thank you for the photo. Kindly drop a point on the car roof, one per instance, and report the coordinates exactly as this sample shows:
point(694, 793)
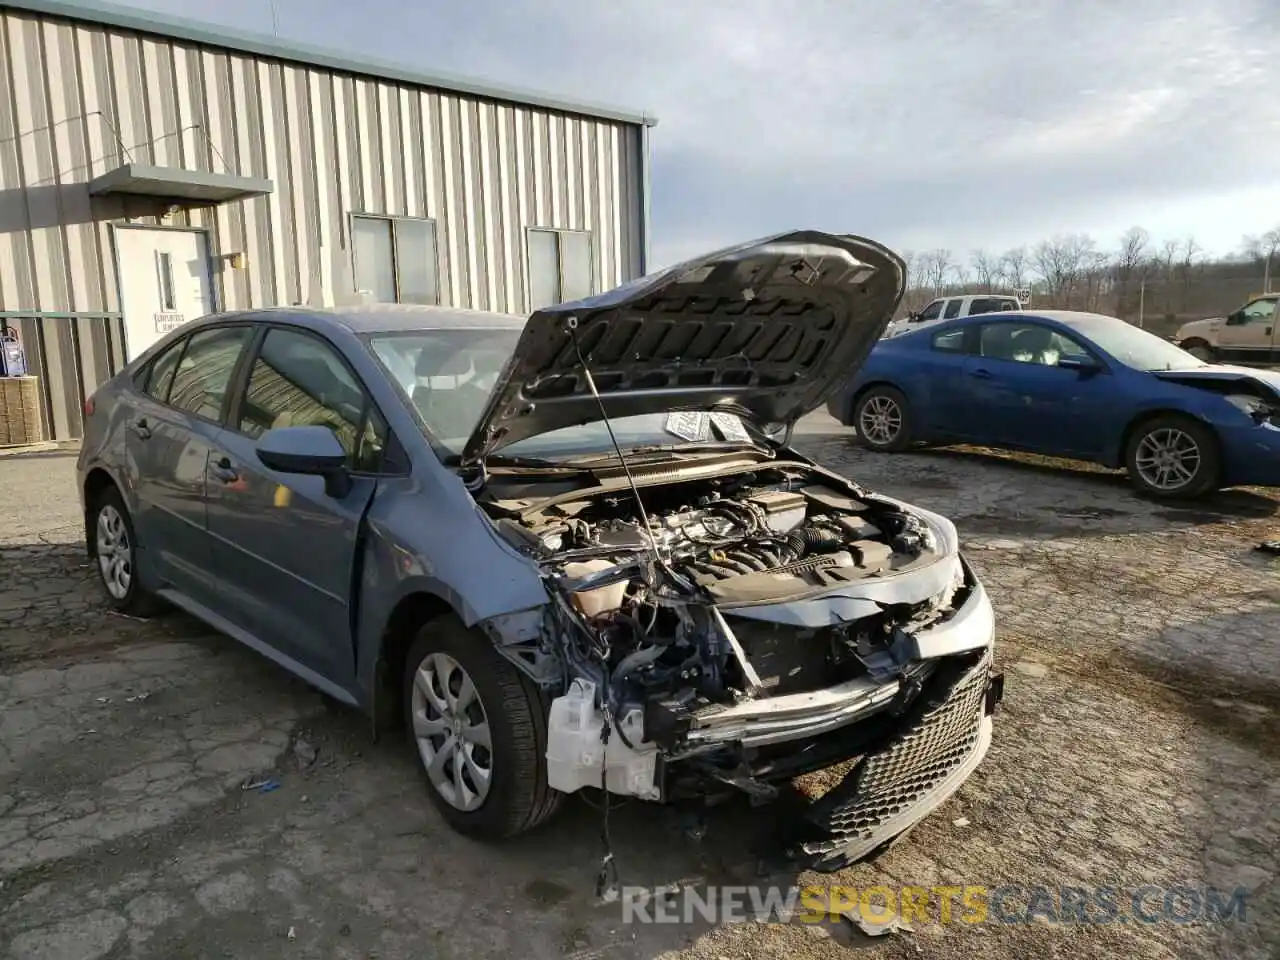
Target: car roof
point(381, 317)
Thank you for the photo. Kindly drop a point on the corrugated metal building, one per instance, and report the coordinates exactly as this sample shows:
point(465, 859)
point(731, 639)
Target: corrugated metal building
point(153, 169)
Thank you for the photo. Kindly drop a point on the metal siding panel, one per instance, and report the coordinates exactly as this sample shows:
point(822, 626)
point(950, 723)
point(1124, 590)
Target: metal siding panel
point(451, 211)
point(615, 181)
point(631, 202)
point(489, 197)
point(572, 179)
point(471, 231)
point(320, 184)
point(344, 175)
point(279, 223)
point(509, 230)
point(410, 153)
point(14, 258)
point(555, 170)
point(74, 231)
point(300, 153)
point(192, 151)
point(159, 95)
point(526, 205)
point(232, 286)
point(368, 148)
point(539, 149)
point(433, 186)
point(248, 135)
point(391, 171)
point(37, 166)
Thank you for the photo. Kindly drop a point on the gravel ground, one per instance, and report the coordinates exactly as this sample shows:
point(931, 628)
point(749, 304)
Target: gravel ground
point(1138, 745)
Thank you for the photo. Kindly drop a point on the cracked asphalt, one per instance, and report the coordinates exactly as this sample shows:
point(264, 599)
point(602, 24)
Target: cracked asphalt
point(1139, 744)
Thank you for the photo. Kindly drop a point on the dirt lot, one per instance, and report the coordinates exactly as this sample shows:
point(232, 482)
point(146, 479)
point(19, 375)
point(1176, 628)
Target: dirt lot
point(1138, 745)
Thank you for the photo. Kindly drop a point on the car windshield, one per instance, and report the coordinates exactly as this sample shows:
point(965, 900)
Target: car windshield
point(1137, 348)
point(449, 374)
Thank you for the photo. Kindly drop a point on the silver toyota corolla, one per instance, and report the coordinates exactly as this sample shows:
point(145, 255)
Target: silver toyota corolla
point(573, 551)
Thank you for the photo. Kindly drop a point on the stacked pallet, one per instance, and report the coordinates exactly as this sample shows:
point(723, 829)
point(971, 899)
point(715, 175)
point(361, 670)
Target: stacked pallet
point(20, 421)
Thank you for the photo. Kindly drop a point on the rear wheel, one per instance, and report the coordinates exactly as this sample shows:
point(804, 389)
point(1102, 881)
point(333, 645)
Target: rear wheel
point(882, 419)
point(478, 727)
point(115, 548)
point(1200, 350)
point(1173, 456)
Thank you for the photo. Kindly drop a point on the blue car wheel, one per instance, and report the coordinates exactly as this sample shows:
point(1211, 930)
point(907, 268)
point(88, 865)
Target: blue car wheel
point(883, 420)
point(1173, 456)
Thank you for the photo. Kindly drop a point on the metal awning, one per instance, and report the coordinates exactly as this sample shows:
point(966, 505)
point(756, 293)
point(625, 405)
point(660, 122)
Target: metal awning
point(178, 185)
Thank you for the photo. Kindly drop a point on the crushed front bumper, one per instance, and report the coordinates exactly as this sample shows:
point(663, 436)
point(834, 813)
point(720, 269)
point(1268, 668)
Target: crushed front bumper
point(892, 788)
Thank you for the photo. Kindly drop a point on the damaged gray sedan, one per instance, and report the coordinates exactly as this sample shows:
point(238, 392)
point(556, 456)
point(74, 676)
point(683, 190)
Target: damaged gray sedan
point(577, 551)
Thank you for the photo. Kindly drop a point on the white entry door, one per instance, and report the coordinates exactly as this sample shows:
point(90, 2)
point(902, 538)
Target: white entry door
point(164, 282)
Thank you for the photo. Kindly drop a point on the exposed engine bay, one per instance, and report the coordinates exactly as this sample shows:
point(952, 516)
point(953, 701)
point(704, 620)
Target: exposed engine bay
point(652, 600)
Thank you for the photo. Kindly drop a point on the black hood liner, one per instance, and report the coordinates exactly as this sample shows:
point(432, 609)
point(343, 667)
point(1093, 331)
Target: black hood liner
point(766, 330)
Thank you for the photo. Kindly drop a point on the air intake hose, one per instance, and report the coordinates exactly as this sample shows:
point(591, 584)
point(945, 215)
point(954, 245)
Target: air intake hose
point(812, 540)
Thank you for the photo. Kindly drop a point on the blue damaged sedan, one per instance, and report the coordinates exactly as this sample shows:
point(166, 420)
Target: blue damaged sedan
point(570, 551)
point(1075, 385)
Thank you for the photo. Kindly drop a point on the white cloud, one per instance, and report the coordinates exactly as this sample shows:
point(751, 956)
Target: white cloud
point(961, 123)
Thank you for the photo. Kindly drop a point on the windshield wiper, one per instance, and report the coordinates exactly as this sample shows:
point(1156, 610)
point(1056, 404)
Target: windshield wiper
point(707, 446)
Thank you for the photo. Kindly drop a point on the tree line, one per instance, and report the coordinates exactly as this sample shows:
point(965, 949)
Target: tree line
point(1159, 284)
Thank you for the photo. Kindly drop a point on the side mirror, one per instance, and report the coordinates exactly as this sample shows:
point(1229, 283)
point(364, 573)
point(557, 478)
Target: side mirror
point(1084, 365)
point(313, 451)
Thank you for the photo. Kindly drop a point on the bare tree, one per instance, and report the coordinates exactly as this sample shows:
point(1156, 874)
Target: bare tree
point(936, 266)
point(986, 269)
point(1014, 265)
point(1188, 253)
point(1061, 262)
point(1264, 247)
point(1167, 259)
point(1130, 265)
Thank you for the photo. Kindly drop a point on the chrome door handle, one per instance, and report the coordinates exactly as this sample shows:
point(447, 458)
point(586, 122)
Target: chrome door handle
point(142, 428)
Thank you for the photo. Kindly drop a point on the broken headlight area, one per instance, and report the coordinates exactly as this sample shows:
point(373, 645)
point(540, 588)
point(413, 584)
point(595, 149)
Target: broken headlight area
point(673, 681)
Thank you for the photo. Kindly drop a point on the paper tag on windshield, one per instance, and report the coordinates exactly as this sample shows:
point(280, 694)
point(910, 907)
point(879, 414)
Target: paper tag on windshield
point(689, 426)
point(730, 427)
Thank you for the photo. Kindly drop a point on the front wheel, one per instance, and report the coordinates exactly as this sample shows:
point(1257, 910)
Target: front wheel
point(1200, 350)
point(479, 730)
point(115, 547)
point(882, 419)
point(1173, 456)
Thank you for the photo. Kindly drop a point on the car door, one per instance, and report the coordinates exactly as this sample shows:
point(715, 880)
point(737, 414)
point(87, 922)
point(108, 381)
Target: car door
point(1021, 398)
point(942, 393)
point(284, 551)
point(167, 443)
point(1249, 334)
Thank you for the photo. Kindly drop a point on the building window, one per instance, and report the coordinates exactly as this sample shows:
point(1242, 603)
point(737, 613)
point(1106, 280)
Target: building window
point(395, 258)
point(559, 266)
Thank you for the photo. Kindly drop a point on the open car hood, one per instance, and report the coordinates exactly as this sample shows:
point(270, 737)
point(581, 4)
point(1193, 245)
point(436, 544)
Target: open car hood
point(766, 330)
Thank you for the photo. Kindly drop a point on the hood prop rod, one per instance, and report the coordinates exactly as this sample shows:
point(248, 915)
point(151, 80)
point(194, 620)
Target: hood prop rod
point(571, 324)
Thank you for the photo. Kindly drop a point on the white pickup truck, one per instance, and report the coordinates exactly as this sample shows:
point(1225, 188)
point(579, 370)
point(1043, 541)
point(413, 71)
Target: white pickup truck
point(948, 308)
point(1250, 335)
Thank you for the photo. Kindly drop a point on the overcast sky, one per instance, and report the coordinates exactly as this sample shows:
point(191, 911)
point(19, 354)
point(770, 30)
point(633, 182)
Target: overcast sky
point(958, 124)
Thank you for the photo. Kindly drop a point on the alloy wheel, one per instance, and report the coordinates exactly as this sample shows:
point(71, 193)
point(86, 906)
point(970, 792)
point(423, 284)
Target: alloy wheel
point(115, 552)
point(452, 732)
point(880, 419)
point(1168, 458)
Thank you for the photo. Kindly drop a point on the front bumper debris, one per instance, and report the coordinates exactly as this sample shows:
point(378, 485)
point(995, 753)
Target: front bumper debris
point(894, 787)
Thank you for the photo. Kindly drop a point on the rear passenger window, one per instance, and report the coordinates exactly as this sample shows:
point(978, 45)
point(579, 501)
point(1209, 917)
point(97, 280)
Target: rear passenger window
point(299, 380)
point(949, 341)
point(953, 309)
point(982, 305)
point(200, 383)
point(157, 378)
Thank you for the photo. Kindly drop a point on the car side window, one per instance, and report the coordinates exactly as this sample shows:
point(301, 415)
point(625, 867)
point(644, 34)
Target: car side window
point(1008, 305)
point(1027, 343)
point(932, 311)
point(982, 305)
point(204, 373)
point(949, 341)
point(953, 309)
point(1260, 311)
point(157, 378)
point(299, 380)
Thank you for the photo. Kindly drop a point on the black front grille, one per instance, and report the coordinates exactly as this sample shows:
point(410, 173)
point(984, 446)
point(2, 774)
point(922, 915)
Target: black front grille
point(941, 732)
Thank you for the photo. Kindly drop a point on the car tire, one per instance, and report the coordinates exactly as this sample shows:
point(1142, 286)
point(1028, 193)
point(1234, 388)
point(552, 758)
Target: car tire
point(114, 549)
point(1163, 450)
point(1200, 349)
point(882, 419)
point(445, 659)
